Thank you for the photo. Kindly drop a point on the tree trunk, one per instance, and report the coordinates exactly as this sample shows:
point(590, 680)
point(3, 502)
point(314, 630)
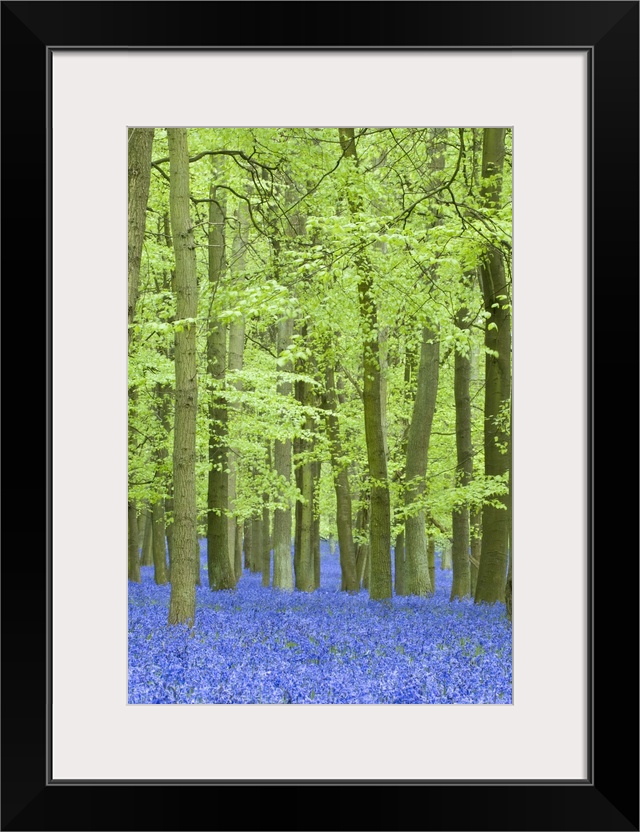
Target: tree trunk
point(417, 568)
point(133, 554)
point(183, 595)
point(508, 594)
point(461, 583)
point(221, 573)
point(146, 557)
point(236, 353)
point(304, 570)
point(316, 468)
point(297, 470)
point(341, 485)
point(282, 569)
point(399, 563)
point(431, 559)
point(492, 572)
point(248, 543)
point(168, 509)
point(140, 144)
point(140, 141)
point(266, 538)
point(447, 558)
point(380, 518)
point(196, 562)
point(159, 550)
point(142, 527)
point(256, 544)
point(475, 532)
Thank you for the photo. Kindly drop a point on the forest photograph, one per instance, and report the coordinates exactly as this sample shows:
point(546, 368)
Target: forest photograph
point(319, 415)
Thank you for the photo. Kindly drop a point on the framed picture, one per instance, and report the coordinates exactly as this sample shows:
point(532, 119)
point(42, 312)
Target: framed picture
point(564, 76)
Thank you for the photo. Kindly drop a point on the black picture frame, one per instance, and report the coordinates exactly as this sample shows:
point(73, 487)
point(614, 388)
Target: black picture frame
point(608, 798)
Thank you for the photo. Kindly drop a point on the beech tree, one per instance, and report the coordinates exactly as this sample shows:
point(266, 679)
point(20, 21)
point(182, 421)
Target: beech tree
point(492, 571)
point(140, 142)
point(183, 595)
point(380, 521)
point(220, 565)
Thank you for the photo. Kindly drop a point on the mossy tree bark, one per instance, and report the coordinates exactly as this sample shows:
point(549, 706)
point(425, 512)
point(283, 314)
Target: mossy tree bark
point(183, 594)
point(380, 583)
point(492, 571)
point(221, 573)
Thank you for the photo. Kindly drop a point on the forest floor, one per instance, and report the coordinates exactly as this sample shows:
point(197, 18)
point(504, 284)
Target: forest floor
point(258, 645)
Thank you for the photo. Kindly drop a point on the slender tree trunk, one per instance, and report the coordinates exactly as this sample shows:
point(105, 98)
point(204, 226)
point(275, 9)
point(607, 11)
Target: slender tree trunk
point(164, 397)
point(492, 572)
point(133, 556)
point(140, 143)
point(183, 595)
point(236, 353)
point(399, 564)
point(168, 509)
point(341, 485)
point(380, 519)
point(256, 544)
point(475, 531)
point(248, 543)
point(297, 470)
point(431, 559)
point(363, 548)
point(508, 595)
point(315, 530)
point(146, 558)
point(417, 569)
point(461, 584)
point(475, 511)
point(196, 561)
point(303, 544)
point(282, 568)
point(447, 555)
point(400, 553)
point(304, 570)
point(221, 573)
point(142, 528)
point(266, 541)
point(239, 542)
point(159, 552)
